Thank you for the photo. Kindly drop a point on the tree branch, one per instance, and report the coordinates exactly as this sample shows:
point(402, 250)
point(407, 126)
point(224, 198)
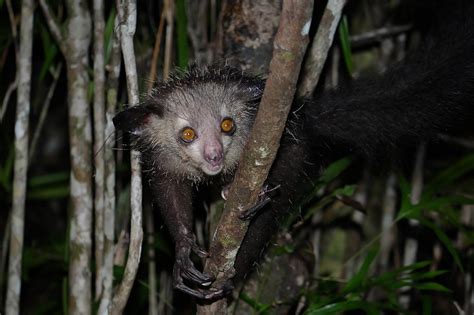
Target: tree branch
point(53, 26)
point(113, 69)
point(12, 87)
point(319, 49)
point(289, 47)
point(127, 13)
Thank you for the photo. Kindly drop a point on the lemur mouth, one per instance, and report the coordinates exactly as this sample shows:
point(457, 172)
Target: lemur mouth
point(211, 170)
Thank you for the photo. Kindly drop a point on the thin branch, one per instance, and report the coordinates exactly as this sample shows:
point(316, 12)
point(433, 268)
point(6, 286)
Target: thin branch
point(289, 47)
point(113, 69)
point(411, 244)
point(53, 26)
point(320, 47)
point(14, 84)
point(156, 51)
point(11, 17)
point(197, 14)
point(12, 87)
point(377, 35)
point(150, 231)
point(150, 227)
point(169, 7)
point(388, 228)
point(128, 18)
point(21, 159)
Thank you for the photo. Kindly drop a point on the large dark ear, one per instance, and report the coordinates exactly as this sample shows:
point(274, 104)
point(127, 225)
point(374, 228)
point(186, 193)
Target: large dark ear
point(134, 119)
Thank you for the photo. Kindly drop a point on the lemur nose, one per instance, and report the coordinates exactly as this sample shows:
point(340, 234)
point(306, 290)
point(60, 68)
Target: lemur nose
point(214, 157)
point(213, 153)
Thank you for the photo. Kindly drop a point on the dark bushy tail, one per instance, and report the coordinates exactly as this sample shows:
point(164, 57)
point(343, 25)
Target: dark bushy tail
point(431, 92)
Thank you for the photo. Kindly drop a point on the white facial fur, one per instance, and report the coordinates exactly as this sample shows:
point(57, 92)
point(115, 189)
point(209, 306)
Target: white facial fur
point(201, 107)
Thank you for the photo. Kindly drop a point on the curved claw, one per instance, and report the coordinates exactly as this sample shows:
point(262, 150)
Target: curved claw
point(251, 212)
point(184, 267)
point(199, 251)
point(264, 197)
point(209, 294)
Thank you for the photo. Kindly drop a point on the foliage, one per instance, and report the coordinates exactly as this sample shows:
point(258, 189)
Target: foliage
point(367, 290)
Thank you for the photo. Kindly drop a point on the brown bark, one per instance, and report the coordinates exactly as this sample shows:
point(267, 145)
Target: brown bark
point(289, 47)
point(249, 28)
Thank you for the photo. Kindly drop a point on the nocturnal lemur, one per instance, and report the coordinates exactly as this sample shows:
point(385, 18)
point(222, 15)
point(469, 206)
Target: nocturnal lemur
point(193, 129)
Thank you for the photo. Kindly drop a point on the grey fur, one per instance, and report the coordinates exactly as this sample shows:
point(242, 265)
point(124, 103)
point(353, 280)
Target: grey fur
point(201, 104)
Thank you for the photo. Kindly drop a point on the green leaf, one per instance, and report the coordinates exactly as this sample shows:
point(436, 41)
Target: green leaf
point(432, 286)
point(279, 250)
point(428, 275)
point(441, 202)
point(329, 174)
point(6, 171)
point(108, 35)
point(345, 43)
point(261, 308)
point(50, 50)
point(339, 307)
point(414, 266)
point(347, 190)
point(333, 170)
point(48, 193)
point(449, 175)
point(427, 308)
point(357, 282)
point(48, 179)
point(405, 202)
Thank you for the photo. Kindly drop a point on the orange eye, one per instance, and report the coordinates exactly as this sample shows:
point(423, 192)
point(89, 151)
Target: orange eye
point(227, 125)
point(188, 135)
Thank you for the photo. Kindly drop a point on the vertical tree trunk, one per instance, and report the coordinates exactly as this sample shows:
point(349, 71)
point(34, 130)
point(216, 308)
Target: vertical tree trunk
point(249, 28)
point(74, 44)
point(78, 28)
point(21, 159)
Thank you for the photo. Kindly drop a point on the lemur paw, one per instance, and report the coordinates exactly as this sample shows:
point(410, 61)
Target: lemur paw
point(184, 268)
point(210, 294)
point(199, 282)
point(266, 194)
